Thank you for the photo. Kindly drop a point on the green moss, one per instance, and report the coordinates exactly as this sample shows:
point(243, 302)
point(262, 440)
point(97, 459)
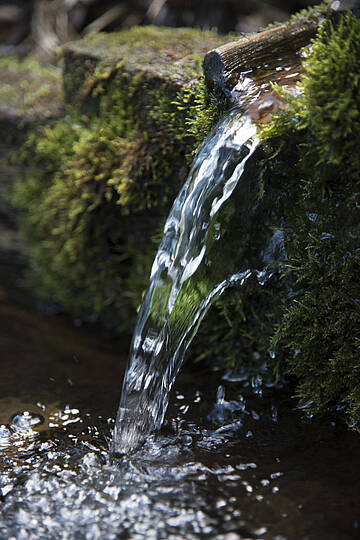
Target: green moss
point(28, 87)
point(191, 115)
point(158, 54)
point(100, 181)
point(318, 338)
point(312, 12)
point(171, 53)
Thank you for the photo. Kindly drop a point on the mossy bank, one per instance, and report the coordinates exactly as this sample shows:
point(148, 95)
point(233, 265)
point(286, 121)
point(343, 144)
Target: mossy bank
point(318, 338)
point(100, 181)
point(30, 94)
point(304, 324)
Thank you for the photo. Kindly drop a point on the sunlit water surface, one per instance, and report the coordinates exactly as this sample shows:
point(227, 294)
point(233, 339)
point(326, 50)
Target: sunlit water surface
point(231, 461)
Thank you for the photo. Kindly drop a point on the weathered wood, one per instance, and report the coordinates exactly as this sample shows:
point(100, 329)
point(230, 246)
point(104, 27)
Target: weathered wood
point(258, 54)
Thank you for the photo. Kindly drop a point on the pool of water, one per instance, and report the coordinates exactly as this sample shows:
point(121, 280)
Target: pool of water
point(233, 461)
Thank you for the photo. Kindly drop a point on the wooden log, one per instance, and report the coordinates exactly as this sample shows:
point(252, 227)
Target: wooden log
point(258, 54)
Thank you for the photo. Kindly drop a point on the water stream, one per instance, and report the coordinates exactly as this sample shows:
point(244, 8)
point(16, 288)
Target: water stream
point(232, 461)
point(187, 275)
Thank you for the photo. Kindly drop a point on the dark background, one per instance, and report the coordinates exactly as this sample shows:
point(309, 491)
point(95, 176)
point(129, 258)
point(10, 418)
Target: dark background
point(46, 24)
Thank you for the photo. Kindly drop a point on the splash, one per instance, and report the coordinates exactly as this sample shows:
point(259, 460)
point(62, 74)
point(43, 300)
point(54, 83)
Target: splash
point(187, 276)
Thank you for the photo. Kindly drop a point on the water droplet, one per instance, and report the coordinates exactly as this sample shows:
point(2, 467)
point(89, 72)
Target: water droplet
point(273, 476)
point(26, 420)
point(220, 396)
point(256, 384)
point(260, 531)
point(5, 436)
point(6, 489)
point(246, 466)
point(274, 413)
point(90, 460)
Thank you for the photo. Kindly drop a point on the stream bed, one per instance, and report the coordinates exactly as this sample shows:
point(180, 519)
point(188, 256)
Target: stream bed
point(232, 461)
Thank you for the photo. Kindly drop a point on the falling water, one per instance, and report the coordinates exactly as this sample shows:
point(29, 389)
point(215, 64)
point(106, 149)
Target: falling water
point(186, 277)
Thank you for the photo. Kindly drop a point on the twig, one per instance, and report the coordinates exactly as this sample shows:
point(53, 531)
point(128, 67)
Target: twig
point(105, 19)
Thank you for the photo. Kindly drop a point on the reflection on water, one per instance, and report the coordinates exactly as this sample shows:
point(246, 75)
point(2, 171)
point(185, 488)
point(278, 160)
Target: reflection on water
point(231, 461)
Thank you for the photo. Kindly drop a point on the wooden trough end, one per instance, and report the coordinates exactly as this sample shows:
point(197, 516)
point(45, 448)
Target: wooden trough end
point(244, 70)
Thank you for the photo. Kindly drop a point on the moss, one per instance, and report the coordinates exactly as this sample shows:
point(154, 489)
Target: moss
point(304, 324)
point(158, 54)
point(318, 337)
point(28, 87)
point(191, 116)
point(312, 12)
point(172, 54)
point(100, 181)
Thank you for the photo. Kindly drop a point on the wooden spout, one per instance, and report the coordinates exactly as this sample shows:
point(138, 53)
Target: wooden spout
point(257, 53)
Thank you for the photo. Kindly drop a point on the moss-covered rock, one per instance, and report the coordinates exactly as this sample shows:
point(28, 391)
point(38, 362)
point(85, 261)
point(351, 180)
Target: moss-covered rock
point(318, 339)
point(29, 92)
point(100, 181)
point(158, 55)
point(305, 322)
